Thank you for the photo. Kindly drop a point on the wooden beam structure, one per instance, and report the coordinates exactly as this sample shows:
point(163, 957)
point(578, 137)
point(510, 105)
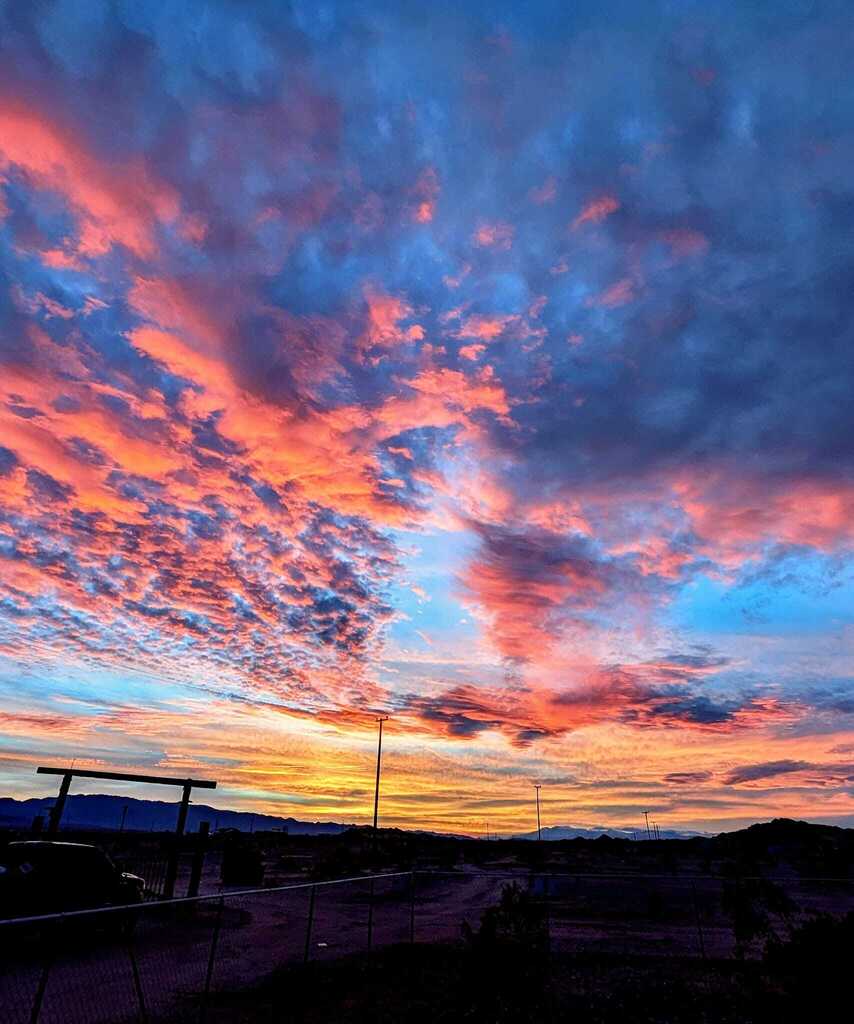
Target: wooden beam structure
point(187, 786)
point(159, 780)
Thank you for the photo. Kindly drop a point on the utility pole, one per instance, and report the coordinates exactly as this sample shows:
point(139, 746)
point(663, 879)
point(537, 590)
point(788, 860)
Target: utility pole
point(380, 720)
point(124, 818)
point(537, 788)
point(646, 815)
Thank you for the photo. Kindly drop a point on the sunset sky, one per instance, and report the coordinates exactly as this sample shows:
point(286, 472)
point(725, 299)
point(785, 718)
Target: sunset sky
point(488, 365)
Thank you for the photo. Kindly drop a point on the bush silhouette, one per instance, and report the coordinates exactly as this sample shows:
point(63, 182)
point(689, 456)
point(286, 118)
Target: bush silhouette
point(812, 969)
point(758, 908)
point(505, 977)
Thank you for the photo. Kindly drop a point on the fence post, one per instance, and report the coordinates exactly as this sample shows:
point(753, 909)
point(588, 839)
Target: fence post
point(412, 909)
point(546, 896)
point(697, 920)
point(51, 947)
point(173, 853)
point(371, 915)
point(203, 1012)
point(309, 925)
point(137, 982)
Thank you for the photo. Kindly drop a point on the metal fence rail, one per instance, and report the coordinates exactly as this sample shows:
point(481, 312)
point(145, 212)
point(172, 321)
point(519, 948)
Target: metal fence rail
point(167, 961)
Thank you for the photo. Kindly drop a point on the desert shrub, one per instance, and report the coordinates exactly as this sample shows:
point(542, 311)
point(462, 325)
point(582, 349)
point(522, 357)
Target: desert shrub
point(759, 910)
point(810, 969)
point(517, 921)
point(505, 971)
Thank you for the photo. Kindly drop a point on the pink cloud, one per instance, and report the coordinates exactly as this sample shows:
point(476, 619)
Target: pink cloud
point(544, 193)
point(497, 235)
point(596, 211)
point(114, 204)
point(618, 294)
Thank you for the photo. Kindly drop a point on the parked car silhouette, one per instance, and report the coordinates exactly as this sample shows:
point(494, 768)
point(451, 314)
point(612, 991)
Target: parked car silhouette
point(42, 877)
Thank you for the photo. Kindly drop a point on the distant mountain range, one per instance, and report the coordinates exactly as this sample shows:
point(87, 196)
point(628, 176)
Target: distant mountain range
point(105, 812)
point(557, 832)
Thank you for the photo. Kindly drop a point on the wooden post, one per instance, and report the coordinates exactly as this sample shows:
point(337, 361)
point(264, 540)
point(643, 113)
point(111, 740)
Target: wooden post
point(371, 916)
point(309, 926)
point(175, 852)
point(59, 806)
point(198, 858)
point(182, 811)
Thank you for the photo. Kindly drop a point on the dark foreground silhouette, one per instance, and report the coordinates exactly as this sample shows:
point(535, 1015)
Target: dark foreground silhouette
point(506, 975)
point(745, 927)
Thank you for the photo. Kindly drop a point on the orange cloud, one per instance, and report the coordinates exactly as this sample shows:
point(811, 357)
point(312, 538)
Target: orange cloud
point(734, 515)
point(481, 392)
point(686, 243)
point(385, 314)
point(171, 304)
point(544, 193)
point(596, 211)
point(528, 582)
point(619, 294)
point(115, 204)
point(425, 194)
point(497, 235)
point(487, 328)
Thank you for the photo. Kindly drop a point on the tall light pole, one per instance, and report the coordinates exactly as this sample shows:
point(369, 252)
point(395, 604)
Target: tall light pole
point(646, 815)
point(537, 788)
point(380, 719)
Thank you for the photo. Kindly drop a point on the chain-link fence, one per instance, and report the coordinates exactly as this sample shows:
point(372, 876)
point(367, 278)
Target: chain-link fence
point(167, 961)
point(162, 961)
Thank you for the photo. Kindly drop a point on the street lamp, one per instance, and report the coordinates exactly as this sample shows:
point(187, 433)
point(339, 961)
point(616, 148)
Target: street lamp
point(380, 720)
point(537, 788)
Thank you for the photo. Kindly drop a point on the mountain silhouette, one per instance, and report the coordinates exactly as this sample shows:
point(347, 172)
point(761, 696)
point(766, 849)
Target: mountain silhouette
point(101, 811)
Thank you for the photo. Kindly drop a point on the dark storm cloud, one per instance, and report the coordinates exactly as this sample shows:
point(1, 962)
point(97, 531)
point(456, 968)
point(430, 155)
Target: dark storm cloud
point(700, 709)
point(812, 774)
point(768, 770)
point(687, 778)
point(46, 488)
point(8, 461)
